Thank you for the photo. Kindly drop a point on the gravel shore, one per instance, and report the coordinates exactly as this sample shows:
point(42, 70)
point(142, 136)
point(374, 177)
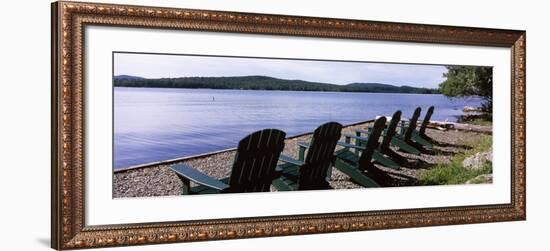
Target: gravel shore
point(160, 181)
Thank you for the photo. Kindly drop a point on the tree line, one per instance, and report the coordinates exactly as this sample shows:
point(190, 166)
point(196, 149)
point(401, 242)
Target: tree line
point(262, 83)
point(465, 81)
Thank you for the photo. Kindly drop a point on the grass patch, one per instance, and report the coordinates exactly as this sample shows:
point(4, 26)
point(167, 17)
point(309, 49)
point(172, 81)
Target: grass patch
point(481, 144)
point(454, 172)
point(481, 122)
point(484, 119)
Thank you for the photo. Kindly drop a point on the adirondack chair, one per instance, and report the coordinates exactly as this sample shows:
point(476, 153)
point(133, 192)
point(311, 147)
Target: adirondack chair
point(377, 155)
point(416, 139)
point(403, 140)
point(253, 167)
point(310, 173)
point(388, 137)
point(360, 168)
point(420, 135)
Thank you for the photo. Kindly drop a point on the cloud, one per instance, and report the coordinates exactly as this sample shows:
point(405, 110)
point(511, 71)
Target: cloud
point(335, 72)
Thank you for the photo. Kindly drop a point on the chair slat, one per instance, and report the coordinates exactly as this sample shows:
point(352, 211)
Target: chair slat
point(391, 130)
point(412, 124)
point(372, 143)
point(255, 161)
point(426, 120)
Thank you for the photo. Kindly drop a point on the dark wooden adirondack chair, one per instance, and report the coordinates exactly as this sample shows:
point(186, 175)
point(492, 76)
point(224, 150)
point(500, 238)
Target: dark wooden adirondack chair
point(377, 155)
point(411, 135)
point(390, 132)
point(404, 140)
point(310, 173)
point(420, 135)
point(253, 167)
point(360, 168)
point(388, 136)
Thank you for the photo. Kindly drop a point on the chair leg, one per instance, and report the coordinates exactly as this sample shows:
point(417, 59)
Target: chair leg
point(329, 173)
point(302, 153)
point(186, 189)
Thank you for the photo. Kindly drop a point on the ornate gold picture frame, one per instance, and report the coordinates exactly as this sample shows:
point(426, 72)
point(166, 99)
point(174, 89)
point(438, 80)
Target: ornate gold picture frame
point(69, 228)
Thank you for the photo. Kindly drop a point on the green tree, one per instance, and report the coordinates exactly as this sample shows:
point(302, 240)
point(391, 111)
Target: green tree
point(465, 81)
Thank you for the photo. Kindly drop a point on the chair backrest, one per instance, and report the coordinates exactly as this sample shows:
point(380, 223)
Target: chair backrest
point(372, 143)
point(391, 131)
point(320, 156)
point(255, 161)
point(426, 120)
point(412, 124)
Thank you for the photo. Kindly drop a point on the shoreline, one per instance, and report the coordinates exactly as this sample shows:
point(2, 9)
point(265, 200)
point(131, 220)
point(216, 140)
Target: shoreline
point(149, 87)
point(158, 180)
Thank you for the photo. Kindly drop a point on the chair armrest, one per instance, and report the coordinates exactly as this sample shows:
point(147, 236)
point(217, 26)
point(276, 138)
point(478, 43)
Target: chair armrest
point(362, 131)
point(356, 137)
point(350, 145)
point(187, 172)
point(288, 159)
point(403, 124)
point(303, 144)
point(370, 127)
point(302, 147)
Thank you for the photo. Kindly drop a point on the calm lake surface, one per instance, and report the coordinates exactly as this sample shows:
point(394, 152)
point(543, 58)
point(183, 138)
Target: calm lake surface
point(153, 124)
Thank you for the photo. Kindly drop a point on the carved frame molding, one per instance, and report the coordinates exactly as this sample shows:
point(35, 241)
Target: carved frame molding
point(68, 22)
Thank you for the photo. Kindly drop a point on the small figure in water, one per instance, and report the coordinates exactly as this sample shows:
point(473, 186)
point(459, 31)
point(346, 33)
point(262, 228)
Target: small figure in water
point(213, 99)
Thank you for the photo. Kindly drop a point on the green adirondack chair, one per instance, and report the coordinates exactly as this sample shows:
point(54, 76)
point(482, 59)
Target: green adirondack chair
point(420, 135)
point(416, 139)
point(360, 167)
point(377, 155)
point(403, 140)
point(388, 137)
point(253, 167)
point(310, 173)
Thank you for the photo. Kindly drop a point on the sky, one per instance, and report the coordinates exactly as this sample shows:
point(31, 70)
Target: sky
point(340, 73)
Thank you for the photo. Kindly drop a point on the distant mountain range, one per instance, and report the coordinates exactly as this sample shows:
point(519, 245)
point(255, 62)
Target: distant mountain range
point(262, 83)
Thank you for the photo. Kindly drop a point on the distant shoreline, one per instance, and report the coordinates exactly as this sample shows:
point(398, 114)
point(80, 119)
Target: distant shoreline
point(146, 87)
point(263, 83)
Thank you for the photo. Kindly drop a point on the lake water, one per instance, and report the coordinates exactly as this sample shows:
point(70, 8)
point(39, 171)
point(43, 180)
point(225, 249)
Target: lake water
point(153, 124)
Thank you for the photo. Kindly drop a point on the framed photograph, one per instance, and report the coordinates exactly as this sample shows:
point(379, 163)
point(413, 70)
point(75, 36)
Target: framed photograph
point(176, 125)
